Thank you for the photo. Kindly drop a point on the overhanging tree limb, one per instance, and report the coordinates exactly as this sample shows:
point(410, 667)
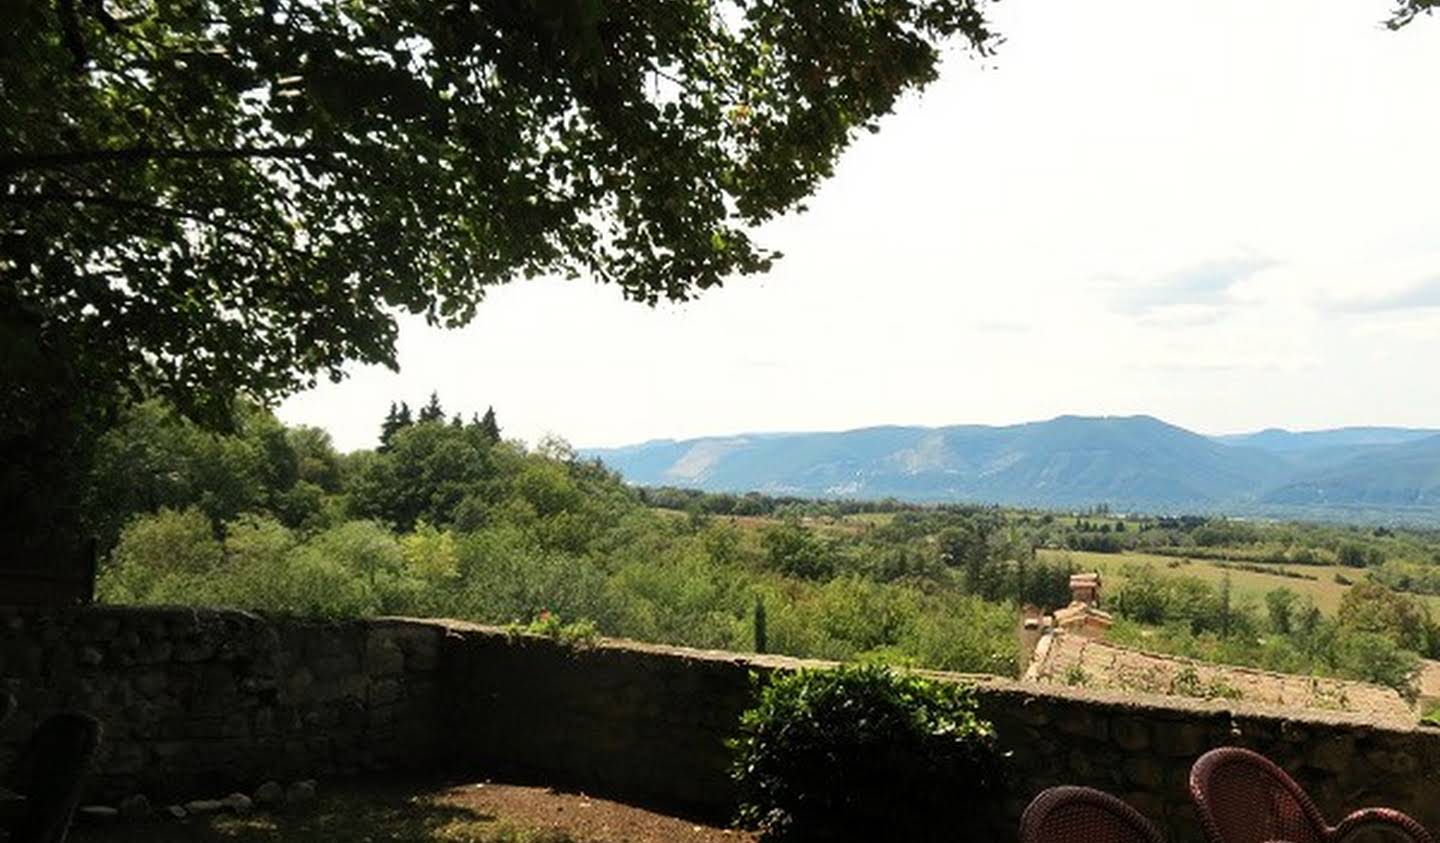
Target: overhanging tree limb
point(50, 160)
point(128, 205)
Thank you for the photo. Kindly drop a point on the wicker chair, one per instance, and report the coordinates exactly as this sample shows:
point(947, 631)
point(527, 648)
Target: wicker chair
point(1074, 814)
point(52, 770)
point(1242, 797)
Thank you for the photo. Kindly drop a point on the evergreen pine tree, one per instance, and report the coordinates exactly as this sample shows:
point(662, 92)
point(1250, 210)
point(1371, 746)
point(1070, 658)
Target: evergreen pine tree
point(388, 427)
point(405, 418)
point(489, 426)
point(432, 412)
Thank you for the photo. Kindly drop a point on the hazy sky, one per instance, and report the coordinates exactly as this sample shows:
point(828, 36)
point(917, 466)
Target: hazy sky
point(1225, 214)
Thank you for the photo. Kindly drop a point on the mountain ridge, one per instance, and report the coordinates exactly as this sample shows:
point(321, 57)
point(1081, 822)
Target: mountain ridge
point(1136, 462)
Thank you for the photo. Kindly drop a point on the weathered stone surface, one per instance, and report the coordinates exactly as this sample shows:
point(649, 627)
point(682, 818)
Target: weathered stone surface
point(1399, 763)
point(204, 806)
point(239, 803)
point(383, 656)
point(176, 812)
point(1185, 740)
point(1145, 772)
point(301, 792)
point(97, 814)
point(1334, 754)
point(136, 807)
point(194, 650)
point(269, 793)
point(1131, 734)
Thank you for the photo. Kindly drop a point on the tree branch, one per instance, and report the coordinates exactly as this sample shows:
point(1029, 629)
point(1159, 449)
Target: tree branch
point(51, 160)
point(130, 205)
point(70, 32)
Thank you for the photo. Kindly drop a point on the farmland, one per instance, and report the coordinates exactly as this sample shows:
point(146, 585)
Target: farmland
point(1319, 582)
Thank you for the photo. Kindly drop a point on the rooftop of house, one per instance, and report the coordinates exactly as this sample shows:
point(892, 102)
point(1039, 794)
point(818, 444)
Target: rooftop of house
point(1080, 611)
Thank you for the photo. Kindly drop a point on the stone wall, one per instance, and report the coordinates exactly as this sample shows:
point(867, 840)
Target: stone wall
point(198, 702)
point(650, 722)
point(642, 721)
point(1141, 749)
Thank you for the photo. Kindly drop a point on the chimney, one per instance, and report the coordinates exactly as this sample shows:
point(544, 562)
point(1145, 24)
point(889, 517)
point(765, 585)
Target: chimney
point(1085, 588)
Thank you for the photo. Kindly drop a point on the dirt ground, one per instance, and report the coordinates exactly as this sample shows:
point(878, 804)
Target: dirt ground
point(468, 812)
point(582, 817)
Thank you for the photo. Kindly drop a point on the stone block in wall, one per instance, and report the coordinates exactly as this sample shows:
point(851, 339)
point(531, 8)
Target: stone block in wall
point(334, 666)
point(385, 692)
point(1183, 739)
point(1332, 753)
point(193, 648)
point(1145, 772)
point(122, 756)
point(383, 656)
point(1394, 762)
point(152, 652)
point(266, 722)
point(421, 647)
point(381, 715)
point(298, 684)
point(151, 684)
point(352, 712)
point(1083, 723)
point(1131, 734)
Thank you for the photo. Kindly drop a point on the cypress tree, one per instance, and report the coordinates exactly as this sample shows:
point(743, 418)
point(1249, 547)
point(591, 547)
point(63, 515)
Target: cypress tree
point(761, 633)
point(388, 427)
point(432, 411)
point(489, 426)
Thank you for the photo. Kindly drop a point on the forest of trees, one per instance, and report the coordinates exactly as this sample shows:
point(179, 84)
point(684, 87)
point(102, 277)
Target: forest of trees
point(446, 517)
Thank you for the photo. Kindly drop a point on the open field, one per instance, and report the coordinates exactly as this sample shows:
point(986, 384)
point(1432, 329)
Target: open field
point(1252, 585)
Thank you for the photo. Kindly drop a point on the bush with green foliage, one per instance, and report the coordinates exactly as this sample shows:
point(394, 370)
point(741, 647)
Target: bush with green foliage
point(865, 753)
point(1377, 636)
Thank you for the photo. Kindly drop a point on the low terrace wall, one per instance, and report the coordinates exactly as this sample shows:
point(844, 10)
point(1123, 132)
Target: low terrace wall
point(197, 702)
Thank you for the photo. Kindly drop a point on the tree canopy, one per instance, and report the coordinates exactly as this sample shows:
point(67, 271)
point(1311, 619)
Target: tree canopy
point(209, 201)
point(1407, 10)
point(205, 198)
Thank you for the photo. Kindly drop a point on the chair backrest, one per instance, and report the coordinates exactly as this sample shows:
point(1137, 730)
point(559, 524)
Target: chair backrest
point(1068, 814)
point(1242, 797)
point(53, 766)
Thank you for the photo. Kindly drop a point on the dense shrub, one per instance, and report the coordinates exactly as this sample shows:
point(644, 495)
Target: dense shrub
point(865, 753)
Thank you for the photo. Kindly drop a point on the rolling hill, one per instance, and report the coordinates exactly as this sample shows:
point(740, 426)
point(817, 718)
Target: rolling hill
point(1131, 462)
point(1399, 476)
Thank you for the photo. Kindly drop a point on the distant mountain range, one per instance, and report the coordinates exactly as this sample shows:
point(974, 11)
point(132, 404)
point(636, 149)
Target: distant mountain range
point(1133, 463)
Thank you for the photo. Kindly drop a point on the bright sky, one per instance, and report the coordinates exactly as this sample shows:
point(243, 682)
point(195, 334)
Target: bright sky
point(1225, 214)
